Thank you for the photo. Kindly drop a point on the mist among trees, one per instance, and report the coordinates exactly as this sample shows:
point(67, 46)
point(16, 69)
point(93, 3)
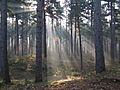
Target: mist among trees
point(59, 45)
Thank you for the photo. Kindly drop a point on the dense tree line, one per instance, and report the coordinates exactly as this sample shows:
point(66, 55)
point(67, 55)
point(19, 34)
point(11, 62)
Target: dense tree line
point(23, 28)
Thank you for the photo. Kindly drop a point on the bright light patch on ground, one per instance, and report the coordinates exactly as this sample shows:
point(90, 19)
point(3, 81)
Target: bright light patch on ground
point(66, 80)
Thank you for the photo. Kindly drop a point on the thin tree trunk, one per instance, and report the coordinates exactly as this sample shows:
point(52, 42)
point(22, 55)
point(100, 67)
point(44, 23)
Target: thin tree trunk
point(75, 38)
point(112, 34)
point(66, 42)
point(119, 51)
point(77, 48)
point(17, 36)
point(22, 40)
point(80, 39)
point(12, 37)
point(80, 42)
point(71, 38)
point(45, 37)
point(71, 22)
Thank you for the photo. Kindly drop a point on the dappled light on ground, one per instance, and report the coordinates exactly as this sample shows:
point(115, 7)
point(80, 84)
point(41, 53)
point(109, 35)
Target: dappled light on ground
point(87, 85)
point(66, 80)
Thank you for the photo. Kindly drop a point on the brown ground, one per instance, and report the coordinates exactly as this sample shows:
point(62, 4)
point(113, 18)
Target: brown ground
point(82, 84)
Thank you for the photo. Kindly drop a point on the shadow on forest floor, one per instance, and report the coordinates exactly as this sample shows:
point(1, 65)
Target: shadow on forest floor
point(62, 78)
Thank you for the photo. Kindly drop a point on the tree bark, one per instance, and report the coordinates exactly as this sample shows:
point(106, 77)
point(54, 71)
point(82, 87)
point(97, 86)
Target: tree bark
point(71, 37)
point(99, 54)
point(45, 37)
point(75, 38)
point(119, 51)
point(112, 31)
point(71, 22)
point(39, 38)
point(17, 36)
point(3, 42)
point(80, 45)
point(22, 40)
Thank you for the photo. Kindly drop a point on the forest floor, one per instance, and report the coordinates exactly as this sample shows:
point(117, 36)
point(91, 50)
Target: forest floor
point(62, 77)
point(82, 84)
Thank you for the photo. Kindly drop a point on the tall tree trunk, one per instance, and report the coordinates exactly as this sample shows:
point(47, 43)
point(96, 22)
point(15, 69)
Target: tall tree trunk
point(17, 36)
point(112, 33)
point(92, 29)
point(80, 39)
point(3, 42)
point(66, 42)
point(100, 63)
point(119, 51)
point(80, 43)
point(11, 41)
point(22, 41)
point(75, 38)
point(39, 38)
point(71, 22)
point(92, 19)
point(45, 37)
point(71, 37)
point(26, 20)
point(45, 46)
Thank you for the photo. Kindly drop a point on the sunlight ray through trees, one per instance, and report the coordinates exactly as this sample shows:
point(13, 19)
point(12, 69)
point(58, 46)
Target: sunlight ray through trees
point(59, 44)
